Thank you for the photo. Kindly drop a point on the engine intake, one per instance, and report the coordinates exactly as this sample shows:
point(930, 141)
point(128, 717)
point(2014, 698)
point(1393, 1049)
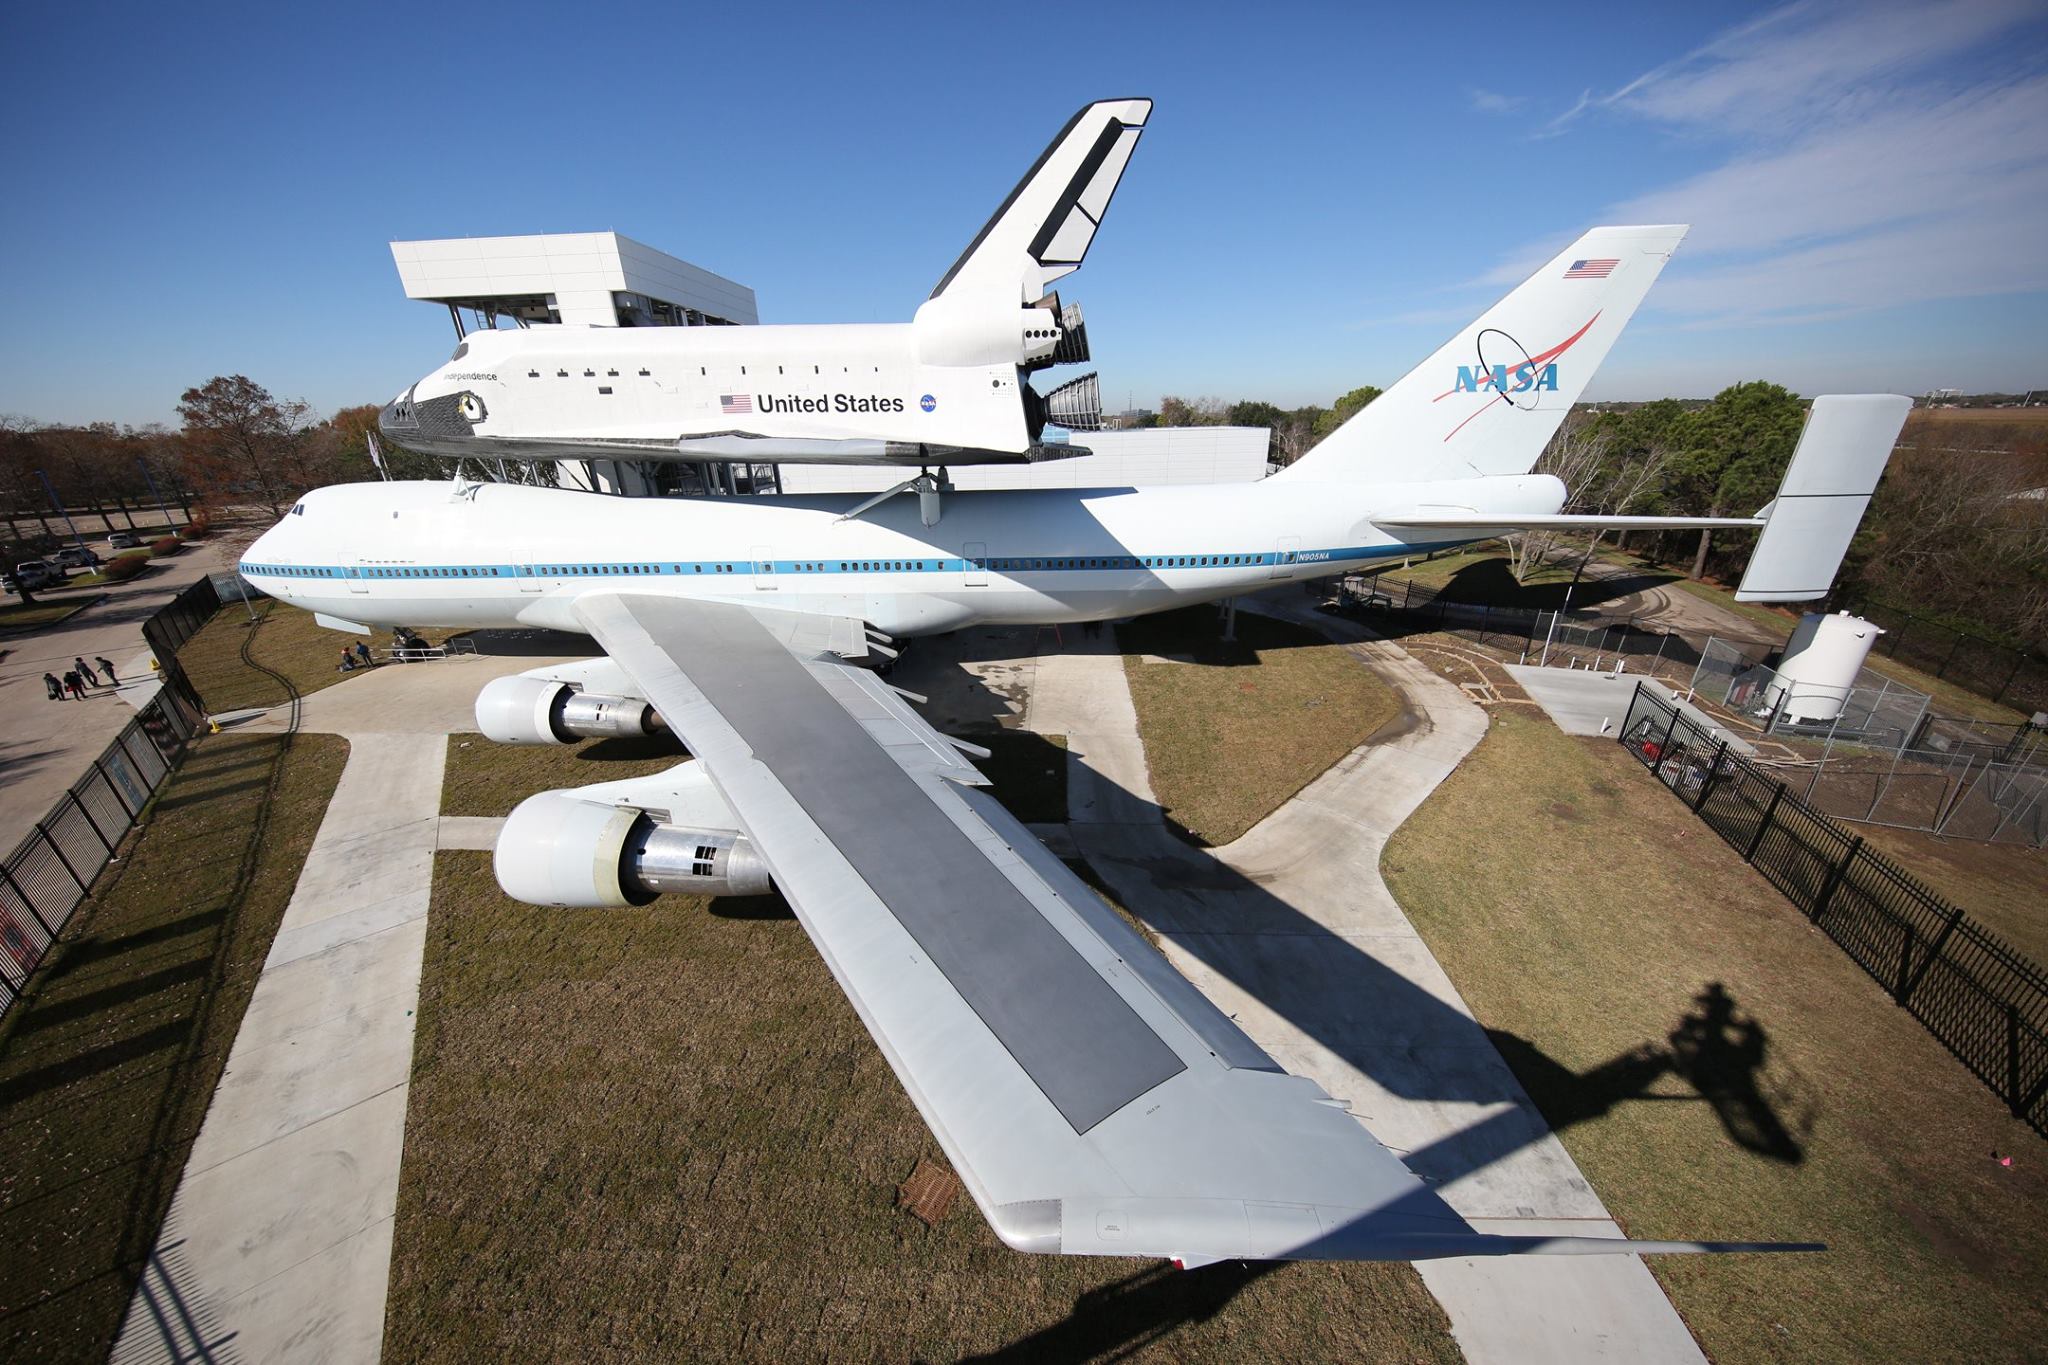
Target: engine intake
point(523, 710)
point(558, 850)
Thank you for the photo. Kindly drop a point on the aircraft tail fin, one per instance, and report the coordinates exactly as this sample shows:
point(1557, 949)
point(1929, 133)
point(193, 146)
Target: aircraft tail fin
point(1043, 229)
point(1492, 396)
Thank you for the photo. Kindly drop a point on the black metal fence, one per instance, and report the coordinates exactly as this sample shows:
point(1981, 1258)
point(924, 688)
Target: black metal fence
point(1986, 1001)
point(46, 878)
point(2015, 677)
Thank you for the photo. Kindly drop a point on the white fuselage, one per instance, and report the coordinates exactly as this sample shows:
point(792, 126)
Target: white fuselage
point(455, 555)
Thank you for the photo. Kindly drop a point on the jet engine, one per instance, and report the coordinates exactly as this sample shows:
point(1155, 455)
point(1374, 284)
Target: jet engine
point(525, 710)
point(557, 849)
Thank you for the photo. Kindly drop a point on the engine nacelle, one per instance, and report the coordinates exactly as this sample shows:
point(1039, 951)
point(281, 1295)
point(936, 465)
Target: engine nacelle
point(526, 710)
point(557, 849)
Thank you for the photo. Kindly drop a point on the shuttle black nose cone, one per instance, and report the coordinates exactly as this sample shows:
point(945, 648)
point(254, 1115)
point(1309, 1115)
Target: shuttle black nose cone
point(398, 417)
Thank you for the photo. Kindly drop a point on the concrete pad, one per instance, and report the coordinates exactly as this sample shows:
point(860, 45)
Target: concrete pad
point(268, 1092)
point(1582, 702)
point(470, 831)
point(280, 1204)
point(326, 1311)
point(357, 975)
point(279, 1240)
point(1558, 1310)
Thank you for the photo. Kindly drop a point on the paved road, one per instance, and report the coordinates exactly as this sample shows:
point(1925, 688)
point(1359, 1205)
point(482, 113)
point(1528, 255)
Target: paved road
point(45, 745)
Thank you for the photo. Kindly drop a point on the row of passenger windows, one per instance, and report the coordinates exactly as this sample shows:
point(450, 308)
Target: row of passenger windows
point(802, 566)
point(1129, 562)
point(456, 572)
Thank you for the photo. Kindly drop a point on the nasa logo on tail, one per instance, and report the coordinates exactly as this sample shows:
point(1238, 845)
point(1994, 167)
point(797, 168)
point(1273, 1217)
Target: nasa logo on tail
point(1507, 372)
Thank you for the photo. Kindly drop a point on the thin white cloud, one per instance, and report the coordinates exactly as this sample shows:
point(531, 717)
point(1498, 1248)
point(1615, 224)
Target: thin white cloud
point(1492, 102)
point(1804, 62)
point(1874, 163)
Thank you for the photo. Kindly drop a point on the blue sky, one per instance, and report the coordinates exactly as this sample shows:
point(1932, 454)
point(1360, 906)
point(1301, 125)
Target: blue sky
point(1322, 196)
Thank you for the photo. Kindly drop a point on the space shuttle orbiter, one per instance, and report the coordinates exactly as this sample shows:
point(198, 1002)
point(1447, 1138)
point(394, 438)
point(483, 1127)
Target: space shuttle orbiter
point(952, 386)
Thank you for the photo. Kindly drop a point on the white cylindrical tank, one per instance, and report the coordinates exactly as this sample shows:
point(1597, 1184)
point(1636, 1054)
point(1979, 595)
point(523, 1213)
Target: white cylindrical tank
point(1820, 666)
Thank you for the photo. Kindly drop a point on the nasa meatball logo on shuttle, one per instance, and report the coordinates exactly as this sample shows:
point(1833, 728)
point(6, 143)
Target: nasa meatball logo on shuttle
point(928, 402)
point(834, 402)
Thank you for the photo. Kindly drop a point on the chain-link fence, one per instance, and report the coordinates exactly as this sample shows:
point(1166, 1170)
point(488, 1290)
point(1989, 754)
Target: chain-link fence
point(1986, 1001)
point(1587, 638)
point(47, 876)
point(2017, 678)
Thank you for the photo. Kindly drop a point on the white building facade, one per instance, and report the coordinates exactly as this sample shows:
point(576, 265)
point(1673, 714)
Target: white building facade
point(595, 279)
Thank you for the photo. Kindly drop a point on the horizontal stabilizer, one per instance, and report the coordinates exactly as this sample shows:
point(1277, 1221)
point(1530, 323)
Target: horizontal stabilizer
point(1841, 455)
point(1435, 519)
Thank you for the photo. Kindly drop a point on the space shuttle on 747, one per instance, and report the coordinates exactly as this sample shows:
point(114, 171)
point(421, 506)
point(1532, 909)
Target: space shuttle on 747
point(1091, 1099)
point(952, 386)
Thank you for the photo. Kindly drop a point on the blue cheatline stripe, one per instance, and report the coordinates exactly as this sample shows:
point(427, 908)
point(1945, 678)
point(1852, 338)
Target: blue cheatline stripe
point(1003, 564)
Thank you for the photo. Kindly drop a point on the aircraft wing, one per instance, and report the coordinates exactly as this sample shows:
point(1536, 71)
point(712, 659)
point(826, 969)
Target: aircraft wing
point(1091, 1100)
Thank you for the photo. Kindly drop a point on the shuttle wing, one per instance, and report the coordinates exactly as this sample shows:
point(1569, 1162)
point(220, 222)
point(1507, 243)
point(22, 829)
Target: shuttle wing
point(1091, 1100)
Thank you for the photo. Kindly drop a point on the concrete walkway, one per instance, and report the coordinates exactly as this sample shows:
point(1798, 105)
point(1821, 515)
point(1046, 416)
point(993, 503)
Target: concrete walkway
point(1291, 931)
point(278, 1242)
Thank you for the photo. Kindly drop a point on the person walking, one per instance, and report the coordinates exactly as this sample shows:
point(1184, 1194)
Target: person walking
point(74, 685)
point(53, 687)
point(92, 679)
point(107, 669)
point(362, 654)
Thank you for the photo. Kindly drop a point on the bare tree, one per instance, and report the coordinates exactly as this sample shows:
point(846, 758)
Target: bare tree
point(1192, 412)
point(1599, 478)
point(238, 436)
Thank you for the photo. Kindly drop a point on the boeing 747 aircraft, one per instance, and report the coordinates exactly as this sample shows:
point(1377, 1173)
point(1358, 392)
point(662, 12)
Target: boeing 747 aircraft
point(1091, 1100)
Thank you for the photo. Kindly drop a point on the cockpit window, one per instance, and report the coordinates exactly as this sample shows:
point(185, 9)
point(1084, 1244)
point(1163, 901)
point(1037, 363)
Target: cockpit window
point(298, 509)
point(460, 351)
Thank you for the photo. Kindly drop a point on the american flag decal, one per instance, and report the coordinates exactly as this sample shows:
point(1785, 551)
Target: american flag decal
point(1591, 270)
point(735, 402)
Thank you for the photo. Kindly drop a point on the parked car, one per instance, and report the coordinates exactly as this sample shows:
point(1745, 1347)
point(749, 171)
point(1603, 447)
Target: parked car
point(34, 573)
point(77, 557)
point(123, 540)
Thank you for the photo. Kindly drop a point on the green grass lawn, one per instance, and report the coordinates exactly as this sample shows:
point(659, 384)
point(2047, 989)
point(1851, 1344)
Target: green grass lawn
point(284, 638)
point(107, 1068)
point(1234, 733)
point(1719, 1069)
point(2004, 887)
point(484, 778)
point(664, 1134)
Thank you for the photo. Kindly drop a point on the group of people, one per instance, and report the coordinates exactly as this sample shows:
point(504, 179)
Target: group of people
point(354, 657)
point(77, 678)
